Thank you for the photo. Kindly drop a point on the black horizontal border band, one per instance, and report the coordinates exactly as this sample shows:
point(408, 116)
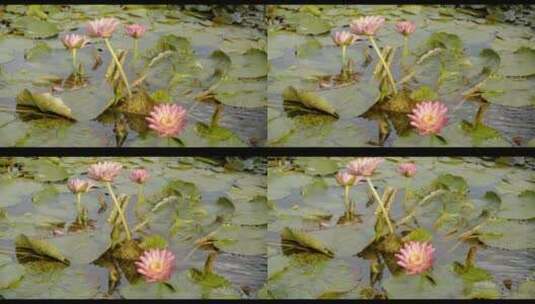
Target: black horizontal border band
point(238, 2)
point(267, 152)
point(434, 301)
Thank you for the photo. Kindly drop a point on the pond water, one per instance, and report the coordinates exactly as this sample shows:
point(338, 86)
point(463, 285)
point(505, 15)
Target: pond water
point(302, 55)
point(197, 57)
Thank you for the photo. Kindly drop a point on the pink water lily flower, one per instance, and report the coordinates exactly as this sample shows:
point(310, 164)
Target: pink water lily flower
point(344, 178)
point(407, 169)
point(364, 166)
point(102, 28)
point(139, 176)
point(405, 28)
point(104, 171)
point(344, 38)
point(415, 257)
point(429, 117)
point(77, 185)
point(156, 265)
point(74, 41)
point(135, 30)
point(168, 120)
point(368, 25)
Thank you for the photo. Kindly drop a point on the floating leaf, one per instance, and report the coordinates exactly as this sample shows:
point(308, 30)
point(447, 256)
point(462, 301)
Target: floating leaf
point(244, 240)
point(526, 290)
point(45, 170)
point(424, 93)
point(14, 191)
point(153, 242)
point(308, 24)
point(309, 100)
point(305, 240)
point(317, 165)
point(519, 63)
point(181, 286)
point(10, 274)
point(83, 247)
point(39, 50)
point(519, 207)
point(308, 48)
point(507, 234)
point(45, 102)
point(508, 92)
point(40, 247)
point(448, 285)
point(310, 276)
point(419, 235)
point(252, 64)
point(54, 282)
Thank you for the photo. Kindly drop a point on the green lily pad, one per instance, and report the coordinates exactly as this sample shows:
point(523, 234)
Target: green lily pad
point(254, 212)
point(518, 207)
point(184, 286)
point(46, 170)
point(84, 247)
point(38, 51)
point(507, 234)
point(508, 92)
point(526, 290)
point(45, 102)
point(310, 276)
point(519, 63)
point(40, 248)
point(252, 64)
point(245, 240)
point(317, 165)
point(10, 274)
point(309, 99)
point(59, 283)
point(14, 191)
point(241, 93)
point(448, 285)
point(281, 185)
point(306, 240)
point(308, 24)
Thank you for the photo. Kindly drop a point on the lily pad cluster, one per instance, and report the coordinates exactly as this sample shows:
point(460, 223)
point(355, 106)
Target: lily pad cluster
point(480, 69)
point(475, 213)
point(213, 67)
point(209, 214)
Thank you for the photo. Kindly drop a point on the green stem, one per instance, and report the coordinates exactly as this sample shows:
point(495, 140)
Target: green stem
point(79, 204)
point(383, 61)
point(383, 209)
point(405, 46)
point(120, 210)
point(119, 66)
point(136, 49)
point(344, 58)
point(346, 198)
point(140, 194)
point(73, 52)
point(407, 183)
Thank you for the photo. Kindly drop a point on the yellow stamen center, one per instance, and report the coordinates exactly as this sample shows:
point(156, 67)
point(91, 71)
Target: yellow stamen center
point(416, 258)
point(166, 121)
point(156, 266)
point(429, 119)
